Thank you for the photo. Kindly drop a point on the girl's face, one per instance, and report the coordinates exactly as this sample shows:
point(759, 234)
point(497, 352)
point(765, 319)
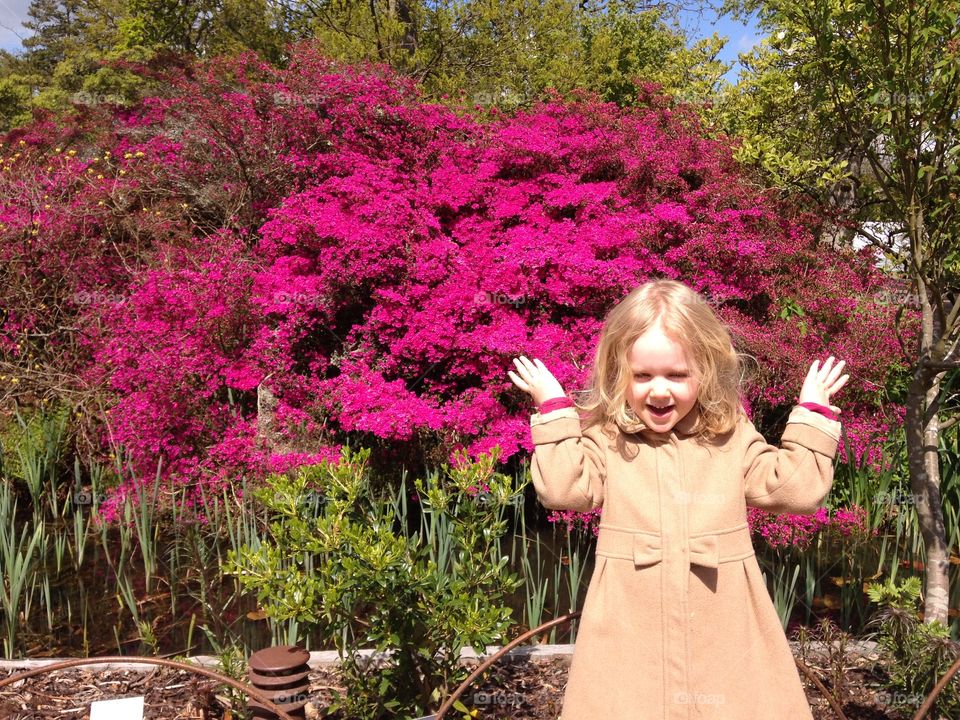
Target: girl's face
point(663, 389)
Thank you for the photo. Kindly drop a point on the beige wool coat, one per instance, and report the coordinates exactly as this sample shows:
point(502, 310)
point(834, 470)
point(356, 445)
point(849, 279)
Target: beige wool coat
point(677, 623)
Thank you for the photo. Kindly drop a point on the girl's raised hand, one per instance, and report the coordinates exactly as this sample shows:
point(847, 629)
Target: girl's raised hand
point(822, 382)
point(535, 379)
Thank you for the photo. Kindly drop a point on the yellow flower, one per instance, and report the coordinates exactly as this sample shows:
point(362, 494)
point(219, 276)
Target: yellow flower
point(71, 153)
point(138, 154)
point(128, 155)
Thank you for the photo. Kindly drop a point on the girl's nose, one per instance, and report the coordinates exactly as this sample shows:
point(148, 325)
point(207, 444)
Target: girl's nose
point(659, 387)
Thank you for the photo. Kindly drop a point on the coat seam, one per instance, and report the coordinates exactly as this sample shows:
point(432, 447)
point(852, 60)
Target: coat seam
point(777, 489)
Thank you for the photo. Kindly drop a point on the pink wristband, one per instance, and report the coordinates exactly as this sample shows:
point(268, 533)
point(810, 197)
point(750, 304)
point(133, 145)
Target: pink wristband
point(818, 408)
point(555, 404)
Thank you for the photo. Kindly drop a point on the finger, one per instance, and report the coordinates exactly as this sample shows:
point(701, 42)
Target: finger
point(838, 384)
point(835, 372)
point(545, 373)
point(517, 381)
point(825, 368)
point(524, 367)
point(529, 366)
point(827, 378)
point(812, 372)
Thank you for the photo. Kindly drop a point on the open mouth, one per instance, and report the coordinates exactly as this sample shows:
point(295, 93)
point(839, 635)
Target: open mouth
point(660, 412)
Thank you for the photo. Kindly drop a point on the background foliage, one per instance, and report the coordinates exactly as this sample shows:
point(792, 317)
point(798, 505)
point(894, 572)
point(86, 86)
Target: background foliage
point(324, 237)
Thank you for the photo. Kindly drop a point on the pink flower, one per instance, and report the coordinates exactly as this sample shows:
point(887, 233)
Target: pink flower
point(374, 261)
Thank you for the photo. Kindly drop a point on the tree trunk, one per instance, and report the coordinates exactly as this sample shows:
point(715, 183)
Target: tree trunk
point(923, 442)
point(402, 10)
point(842, 198)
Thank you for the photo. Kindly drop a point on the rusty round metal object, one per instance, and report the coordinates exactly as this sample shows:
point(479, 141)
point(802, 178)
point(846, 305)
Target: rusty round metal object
point(287, 695)
point(292, 706)
point(270, 681)
point(280, 673)
point(280, 659)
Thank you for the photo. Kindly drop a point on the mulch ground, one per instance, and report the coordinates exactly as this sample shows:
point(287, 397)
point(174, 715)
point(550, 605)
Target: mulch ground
point(520, 690)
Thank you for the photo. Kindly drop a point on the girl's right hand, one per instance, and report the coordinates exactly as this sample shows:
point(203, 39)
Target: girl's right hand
point(535, 379)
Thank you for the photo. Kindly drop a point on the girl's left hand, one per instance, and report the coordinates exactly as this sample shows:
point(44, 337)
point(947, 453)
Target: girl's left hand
point(823, 382)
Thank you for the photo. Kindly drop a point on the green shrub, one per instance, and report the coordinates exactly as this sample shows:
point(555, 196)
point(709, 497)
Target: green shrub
point(34, 433)
point(341, 563)
point(916, 654)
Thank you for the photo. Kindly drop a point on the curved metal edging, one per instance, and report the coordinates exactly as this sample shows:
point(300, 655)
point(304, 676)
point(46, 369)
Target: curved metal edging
point(496, 656)
point(937, 689)
point(242, 687)
point(819, 685)
point(448, 703)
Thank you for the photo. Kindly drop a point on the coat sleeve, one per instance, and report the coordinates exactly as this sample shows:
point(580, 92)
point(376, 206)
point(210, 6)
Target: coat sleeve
point(796, 477)
point(568, 466)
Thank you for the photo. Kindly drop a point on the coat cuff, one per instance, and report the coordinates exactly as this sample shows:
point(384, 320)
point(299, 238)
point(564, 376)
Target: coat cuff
point(554, 426)
point(813, 430)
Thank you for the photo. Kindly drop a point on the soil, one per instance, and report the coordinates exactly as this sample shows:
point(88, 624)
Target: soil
point(516, 689)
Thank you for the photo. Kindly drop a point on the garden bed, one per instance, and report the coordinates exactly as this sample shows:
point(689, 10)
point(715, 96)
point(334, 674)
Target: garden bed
point(517, 688)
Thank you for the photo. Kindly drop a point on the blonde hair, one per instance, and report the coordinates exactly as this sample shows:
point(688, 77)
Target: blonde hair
point(686, 318)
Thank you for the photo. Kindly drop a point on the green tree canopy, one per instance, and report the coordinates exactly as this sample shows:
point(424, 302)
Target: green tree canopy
point(507, 53)
point(868, 94)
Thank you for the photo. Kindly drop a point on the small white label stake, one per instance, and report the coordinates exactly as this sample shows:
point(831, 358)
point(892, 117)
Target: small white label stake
point(122, 709)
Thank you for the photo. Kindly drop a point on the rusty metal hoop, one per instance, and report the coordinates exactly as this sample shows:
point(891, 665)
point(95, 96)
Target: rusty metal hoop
point(242, 687)
point(937, 689)
point(448, 703)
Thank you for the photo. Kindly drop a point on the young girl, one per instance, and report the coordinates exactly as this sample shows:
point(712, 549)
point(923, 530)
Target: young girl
point(677, 622)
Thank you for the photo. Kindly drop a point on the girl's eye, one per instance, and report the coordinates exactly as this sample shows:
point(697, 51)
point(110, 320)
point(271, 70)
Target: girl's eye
point(640, 376)
point(678, 375)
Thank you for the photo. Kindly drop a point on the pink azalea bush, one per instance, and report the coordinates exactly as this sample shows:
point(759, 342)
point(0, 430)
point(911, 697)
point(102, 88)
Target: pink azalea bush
point(373, 261)
point(577, 521)
point(798, 531)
